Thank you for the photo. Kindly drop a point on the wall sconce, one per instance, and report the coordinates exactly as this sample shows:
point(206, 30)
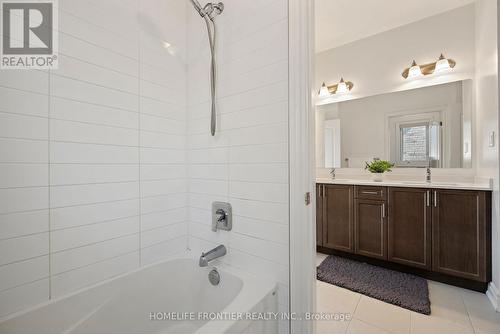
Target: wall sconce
point(441, 65)
point(341, 88)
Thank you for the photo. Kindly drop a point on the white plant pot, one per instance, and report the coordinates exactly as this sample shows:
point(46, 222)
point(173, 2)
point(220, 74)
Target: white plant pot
point(377, 177)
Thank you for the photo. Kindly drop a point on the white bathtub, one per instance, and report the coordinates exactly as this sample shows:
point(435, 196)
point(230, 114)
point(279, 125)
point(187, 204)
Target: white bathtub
point(173, 288)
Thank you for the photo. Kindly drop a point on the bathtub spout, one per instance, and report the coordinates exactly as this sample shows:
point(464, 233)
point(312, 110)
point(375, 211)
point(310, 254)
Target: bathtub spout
point(215, 253)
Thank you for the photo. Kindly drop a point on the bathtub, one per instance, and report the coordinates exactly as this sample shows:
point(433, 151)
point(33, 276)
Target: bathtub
point(171, 297)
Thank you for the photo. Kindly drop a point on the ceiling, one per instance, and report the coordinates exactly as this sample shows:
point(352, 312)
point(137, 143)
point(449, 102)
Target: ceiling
point(339, 22)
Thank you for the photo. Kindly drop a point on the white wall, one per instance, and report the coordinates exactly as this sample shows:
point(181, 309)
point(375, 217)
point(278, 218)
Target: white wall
point(92, 155)
point(487, 112)
point(246, 163)
point(375, 64)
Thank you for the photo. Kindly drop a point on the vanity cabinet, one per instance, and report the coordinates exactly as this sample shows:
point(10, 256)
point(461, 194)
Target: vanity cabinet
point(461, 233)
point(441, 234)
point(409, 227)
point(337, 221)
point(370, 222)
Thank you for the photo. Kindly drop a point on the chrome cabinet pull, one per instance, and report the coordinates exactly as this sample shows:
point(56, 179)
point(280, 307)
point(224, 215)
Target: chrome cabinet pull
point(428, 198)
point(324, 191)
point(383, 211)
point(435, 199)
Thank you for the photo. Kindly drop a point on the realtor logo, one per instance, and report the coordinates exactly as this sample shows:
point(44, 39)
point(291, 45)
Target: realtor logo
point(29, 35)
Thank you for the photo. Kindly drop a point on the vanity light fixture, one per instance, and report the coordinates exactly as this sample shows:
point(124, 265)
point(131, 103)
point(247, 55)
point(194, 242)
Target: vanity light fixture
point(342, 87)
point(443, 64)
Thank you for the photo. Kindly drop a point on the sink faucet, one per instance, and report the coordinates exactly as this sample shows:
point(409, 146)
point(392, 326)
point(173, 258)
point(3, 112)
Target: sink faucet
point(428, 177)
point(332, 173)
point(211, 255)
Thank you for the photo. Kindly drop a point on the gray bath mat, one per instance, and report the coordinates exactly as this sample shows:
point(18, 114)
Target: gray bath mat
point(405, 290)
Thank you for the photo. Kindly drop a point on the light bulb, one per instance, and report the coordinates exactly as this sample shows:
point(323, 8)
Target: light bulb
point(342, 87)
point(414, 71)
point(442, 65)
point(324, 92)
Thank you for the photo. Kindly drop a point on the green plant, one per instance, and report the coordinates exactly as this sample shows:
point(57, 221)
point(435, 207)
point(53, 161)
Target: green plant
point(379, 166)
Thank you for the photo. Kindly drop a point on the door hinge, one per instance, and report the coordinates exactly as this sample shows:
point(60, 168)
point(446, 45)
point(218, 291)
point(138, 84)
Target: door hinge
point(307, 198)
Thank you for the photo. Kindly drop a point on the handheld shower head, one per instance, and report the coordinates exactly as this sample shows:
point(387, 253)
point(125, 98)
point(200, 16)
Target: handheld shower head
point(210, 9)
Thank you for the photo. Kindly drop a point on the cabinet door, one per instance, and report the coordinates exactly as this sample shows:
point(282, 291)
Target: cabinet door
point(319, 215)
point(338, 229)
point(459, 233)
point(370, 228)
point(409, 227)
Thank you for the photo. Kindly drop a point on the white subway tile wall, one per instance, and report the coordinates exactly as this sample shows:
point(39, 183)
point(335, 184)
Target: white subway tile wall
point(246, 163)
point(93, 179)
point(107, 163)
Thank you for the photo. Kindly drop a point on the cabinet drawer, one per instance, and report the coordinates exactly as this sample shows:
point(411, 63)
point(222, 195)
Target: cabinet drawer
point(370, 192)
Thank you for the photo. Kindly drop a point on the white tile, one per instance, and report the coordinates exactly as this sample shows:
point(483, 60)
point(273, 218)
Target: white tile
point(68, 174)
point(81, 91)
point(21, 102)
point(18, 175)
point(269, 153)
point(162, 156)
point(268, 114)
point(377, 313)
point(79, 278)
point(160, 251)
point(162, 172)
point(275, 212)
point(160, 124)
point(162, 140)
point(273, 173)
point(86, 112)
point(359, 327)
point(23, 223)
point(262, 248)
point(94, 213)
point(23, 126)
point(423, 324)
point(88, 255)
point(90, 153)
point(19, 151)
point(162, 187)
point(23, 199)
point(447, 304)
point(95, 134)
point(24, 296)
point(22, 248)
point(89, 234)
point(267, 192)
point(74, 68)
point(23, 272)
point(162, 234)
point(31, 81)
point(212, 187)
point(61, 196)
point(163, 218)
point(163, 202)
point(261, 229)
point(484, 318)
point(333, 299)
point(161, 109)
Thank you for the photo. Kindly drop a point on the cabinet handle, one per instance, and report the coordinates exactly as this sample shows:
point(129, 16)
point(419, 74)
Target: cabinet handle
point(435, 199)
point(324, 191)
point(319, 191)
point(370, 192)
point(428, 198)
point(383, 211)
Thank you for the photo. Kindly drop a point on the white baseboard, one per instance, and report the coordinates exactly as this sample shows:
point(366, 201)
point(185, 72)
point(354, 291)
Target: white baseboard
point(494, 296)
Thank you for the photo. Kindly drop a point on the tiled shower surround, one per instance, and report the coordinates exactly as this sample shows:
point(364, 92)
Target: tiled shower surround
point(107, 164)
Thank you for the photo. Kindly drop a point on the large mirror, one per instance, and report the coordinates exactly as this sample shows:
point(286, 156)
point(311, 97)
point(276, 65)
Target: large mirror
point(412, 128)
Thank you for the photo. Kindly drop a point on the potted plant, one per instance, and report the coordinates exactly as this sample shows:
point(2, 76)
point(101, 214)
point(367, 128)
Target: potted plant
point(378, 167)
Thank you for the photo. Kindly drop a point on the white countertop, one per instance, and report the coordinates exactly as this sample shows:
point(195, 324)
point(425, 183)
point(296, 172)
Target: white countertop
point(409, 184)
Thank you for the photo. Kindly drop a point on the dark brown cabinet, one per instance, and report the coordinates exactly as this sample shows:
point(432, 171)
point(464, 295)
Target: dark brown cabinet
point(461, 234)
point(338, 231)
point(444, 233)
point(319, 214)
point(409, 227)
point(335, 222)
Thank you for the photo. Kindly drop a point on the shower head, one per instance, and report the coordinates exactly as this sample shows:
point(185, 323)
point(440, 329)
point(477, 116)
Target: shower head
point(211, 9)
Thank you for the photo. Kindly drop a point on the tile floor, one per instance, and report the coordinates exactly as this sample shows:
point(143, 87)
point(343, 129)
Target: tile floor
point(454, 311)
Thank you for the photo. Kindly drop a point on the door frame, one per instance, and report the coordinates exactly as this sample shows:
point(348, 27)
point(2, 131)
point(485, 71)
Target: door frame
point(302, 249)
